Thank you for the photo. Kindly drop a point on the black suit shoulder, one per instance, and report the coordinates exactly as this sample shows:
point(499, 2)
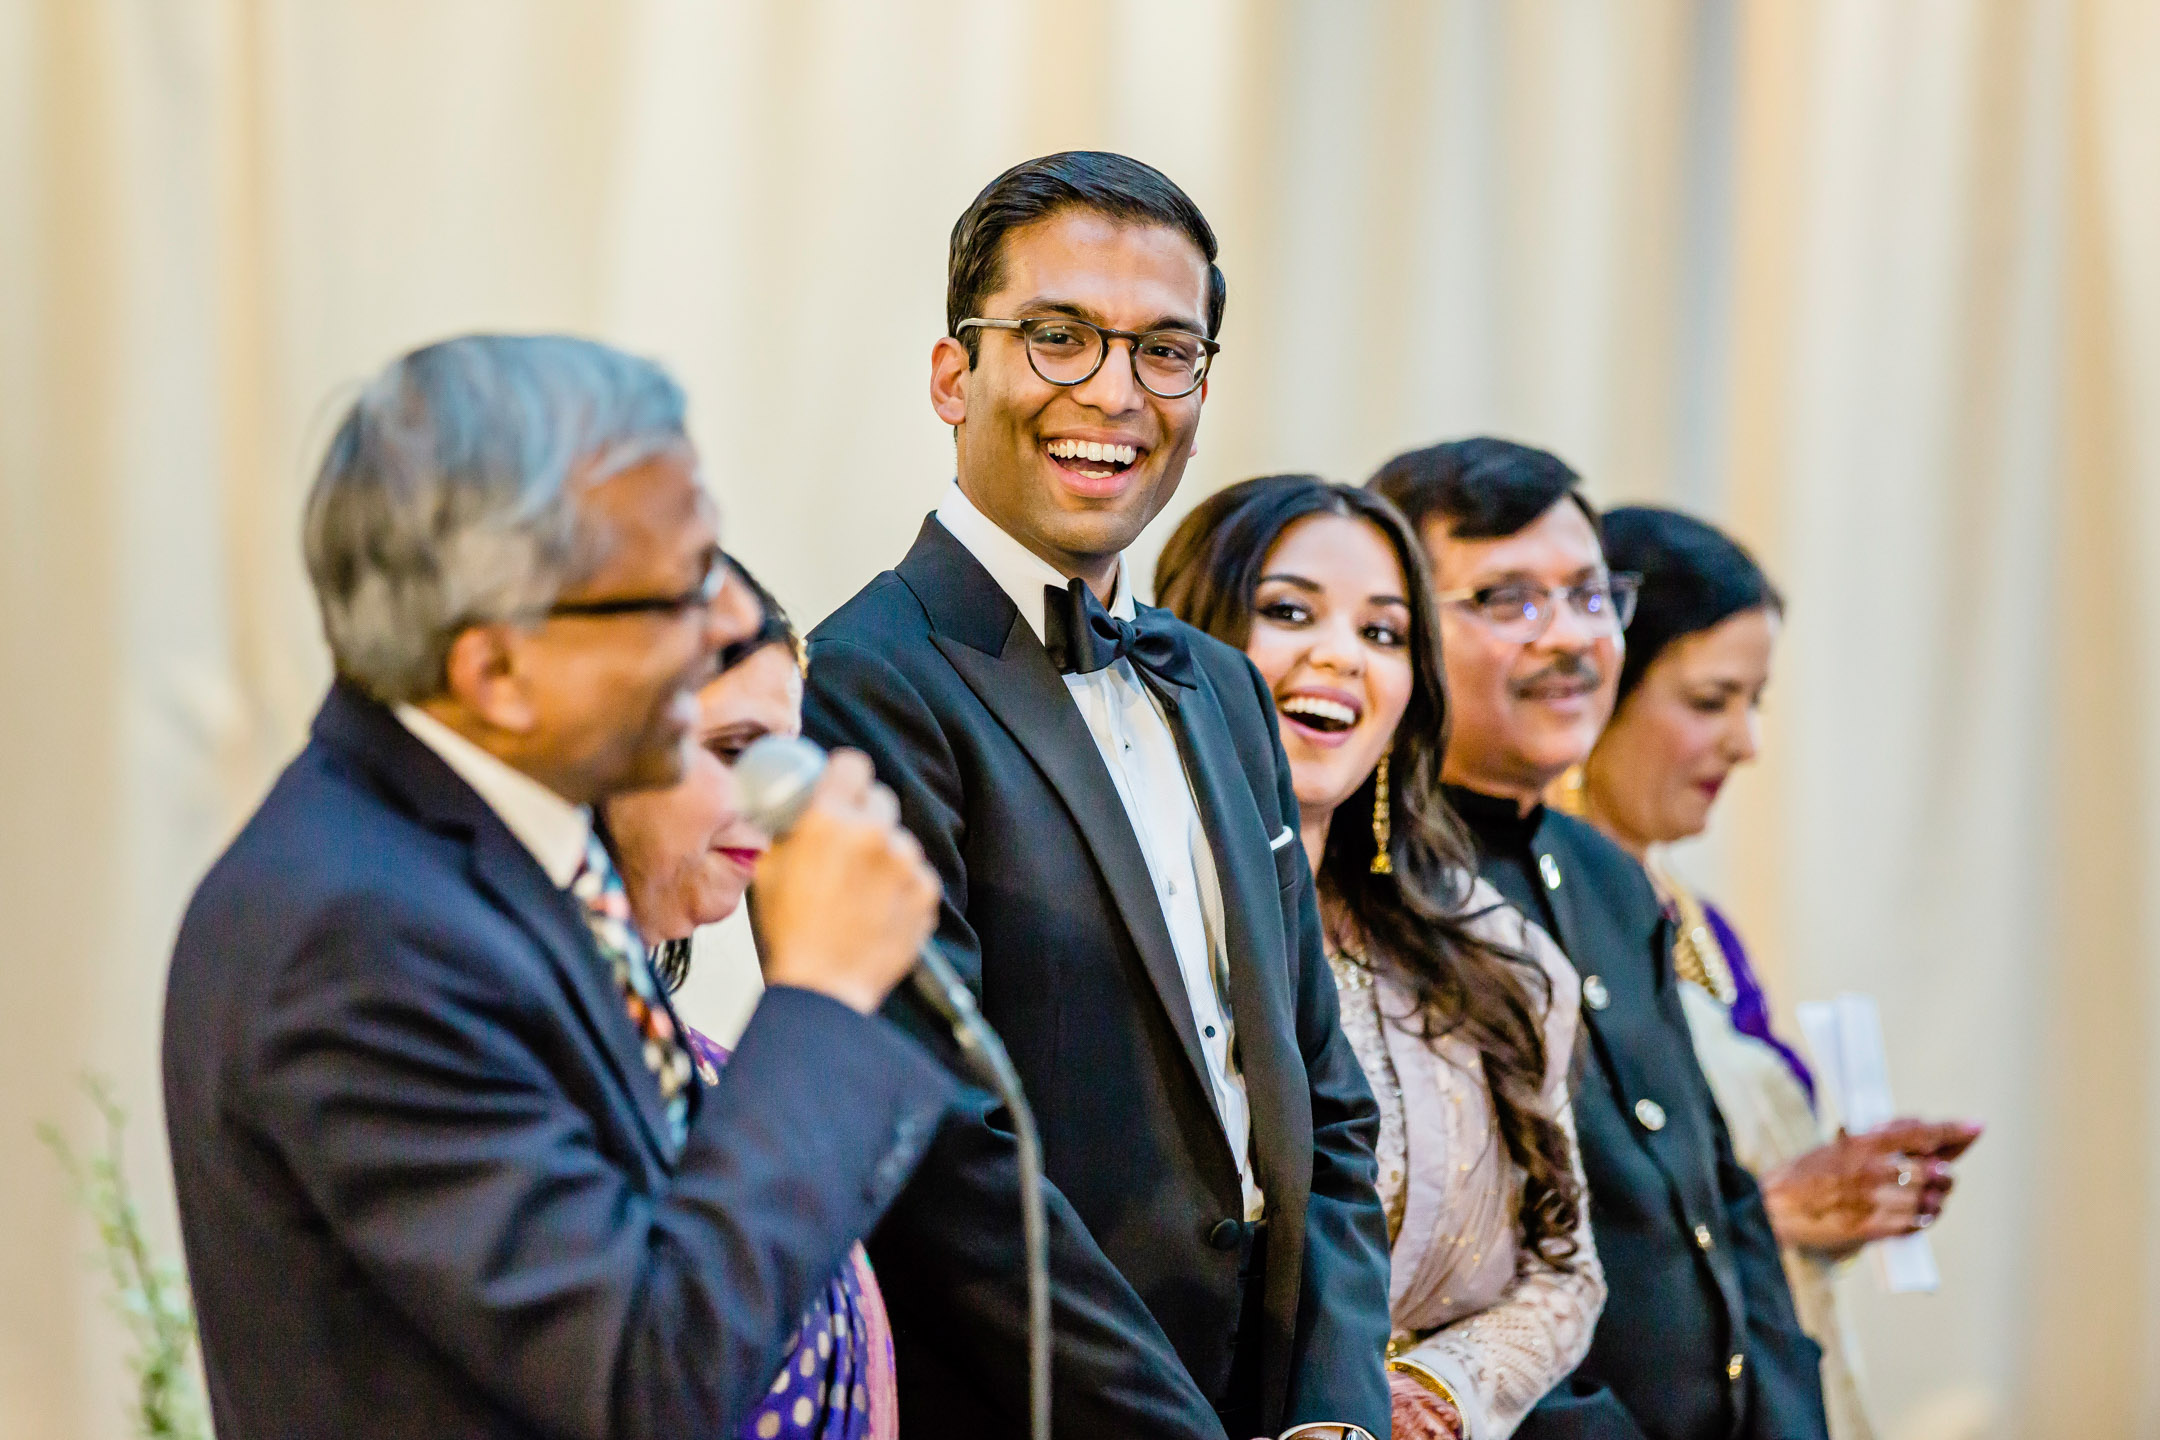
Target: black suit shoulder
point(882, 611)
point(277, 888)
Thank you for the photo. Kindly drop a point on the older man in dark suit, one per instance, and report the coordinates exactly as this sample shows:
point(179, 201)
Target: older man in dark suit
point(1698, 1339)
point(444, 1167)
point(1103, 791)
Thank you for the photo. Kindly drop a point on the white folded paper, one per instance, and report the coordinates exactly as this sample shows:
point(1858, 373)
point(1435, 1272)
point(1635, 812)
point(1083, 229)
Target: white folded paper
point(1852, 1073)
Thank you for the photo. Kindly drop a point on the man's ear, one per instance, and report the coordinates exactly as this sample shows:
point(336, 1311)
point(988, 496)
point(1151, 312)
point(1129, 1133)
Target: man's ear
point(484, 679)
point(949, 380)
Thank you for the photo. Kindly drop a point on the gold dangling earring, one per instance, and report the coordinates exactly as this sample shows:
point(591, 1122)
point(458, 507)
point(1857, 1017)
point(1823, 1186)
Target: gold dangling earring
point(1383, 828)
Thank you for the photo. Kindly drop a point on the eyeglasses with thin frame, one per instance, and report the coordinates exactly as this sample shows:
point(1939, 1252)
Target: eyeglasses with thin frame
point(698, 597)
point(1520, 612)
point(1169, 364)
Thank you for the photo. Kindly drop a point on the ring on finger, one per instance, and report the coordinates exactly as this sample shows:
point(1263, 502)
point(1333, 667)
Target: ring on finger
point(1904, 1176)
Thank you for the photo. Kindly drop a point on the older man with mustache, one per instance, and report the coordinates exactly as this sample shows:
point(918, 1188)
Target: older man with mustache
point(1698, 1339)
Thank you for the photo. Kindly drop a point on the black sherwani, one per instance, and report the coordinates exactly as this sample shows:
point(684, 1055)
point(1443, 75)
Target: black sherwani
point(1051, 915)
point(1698, 1340)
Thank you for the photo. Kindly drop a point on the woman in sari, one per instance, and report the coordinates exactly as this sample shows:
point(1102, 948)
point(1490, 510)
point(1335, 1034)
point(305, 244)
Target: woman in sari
point(1698, 659)
point(686, 855)
point(1462, 1014)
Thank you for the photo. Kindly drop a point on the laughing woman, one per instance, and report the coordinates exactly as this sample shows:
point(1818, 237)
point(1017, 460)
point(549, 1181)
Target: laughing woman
point(1462, 1014)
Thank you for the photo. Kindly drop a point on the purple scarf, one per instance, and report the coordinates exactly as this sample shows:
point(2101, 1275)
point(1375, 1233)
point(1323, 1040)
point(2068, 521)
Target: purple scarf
point(1750, 1007)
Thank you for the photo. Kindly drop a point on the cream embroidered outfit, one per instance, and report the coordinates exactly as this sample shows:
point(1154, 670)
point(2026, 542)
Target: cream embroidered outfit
point(1465, 1300)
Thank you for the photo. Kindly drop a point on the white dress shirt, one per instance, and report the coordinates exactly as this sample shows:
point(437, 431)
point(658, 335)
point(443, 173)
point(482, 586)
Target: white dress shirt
point(1141, 754)
point(552, 828)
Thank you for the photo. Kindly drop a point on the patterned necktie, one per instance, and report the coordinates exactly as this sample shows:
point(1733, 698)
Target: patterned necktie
point(607, 914)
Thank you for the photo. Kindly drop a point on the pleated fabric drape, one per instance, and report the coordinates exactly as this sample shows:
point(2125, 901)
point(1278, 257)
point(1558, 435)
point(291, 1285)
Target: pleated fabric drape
point(1874, 282)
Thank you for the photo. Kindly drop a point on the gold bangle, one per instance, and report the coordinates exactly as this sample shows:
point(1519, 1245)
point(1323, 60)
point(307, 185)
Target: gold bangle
point(1419, 1371)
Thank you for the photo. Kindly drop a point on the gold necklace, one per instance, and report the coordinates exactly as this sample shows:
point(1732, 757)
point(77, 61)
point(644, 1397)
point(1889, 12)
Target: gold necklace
point(1697, 956)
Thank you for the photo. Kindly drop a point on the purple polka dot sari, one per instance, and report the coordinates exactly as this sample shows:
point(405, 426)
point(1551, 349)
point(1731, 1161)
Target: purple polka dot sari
point(837, 1382)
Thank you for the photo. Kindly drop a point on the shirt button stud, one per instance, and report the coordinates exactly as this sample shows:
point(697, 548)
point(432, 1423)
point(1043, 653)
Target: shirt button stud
point(1703, 1239)
point(1651, 1114)
point(1594, 993)
point(1550, 869)
point(1735, 1367)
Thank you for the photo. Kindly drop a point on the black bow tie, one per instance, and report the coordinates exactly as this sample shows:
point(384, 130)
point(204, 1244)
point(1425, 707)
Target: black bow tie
point(1082, 638)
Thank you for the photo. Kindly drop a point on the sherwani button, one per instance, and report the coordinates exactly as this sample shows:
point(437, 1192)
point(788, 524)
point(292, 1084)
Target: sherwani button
point(1225, 1235)
point(1735, 1366)
point(1703, 1238)
point(1594, 993)
point(1651, 1114)
point(1550, 869)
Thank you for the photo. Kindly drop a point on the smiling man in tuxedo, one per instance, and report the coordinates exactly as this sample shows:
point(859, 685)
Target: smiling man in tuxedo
point(1104, 794)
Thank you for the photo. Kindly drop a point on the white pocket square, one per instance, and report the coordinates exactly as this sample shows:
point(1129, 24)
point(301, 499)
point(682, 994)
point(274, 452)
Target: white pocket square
point(1283, 839)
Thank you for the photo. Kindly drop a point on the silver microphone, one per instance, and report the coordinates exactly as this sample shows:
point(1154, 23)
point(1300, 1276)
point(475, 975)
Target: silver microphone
point(776, 777)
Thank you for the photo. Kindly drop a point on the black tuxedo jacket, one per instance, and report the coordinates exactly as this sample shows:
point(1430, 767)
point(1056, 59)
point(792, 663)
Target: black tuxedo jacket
point(421, 1181)
point(1051, 916)
point(1698, 1339)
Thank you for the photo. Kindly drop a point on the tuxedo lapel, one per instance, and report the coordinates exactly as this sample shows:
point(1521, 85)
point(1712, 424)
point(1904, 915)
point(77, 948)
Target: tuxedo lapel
point(512, 879)
point(1260, 1004)
point(1260, 1008)
point(1030, 700)
point(979, 631)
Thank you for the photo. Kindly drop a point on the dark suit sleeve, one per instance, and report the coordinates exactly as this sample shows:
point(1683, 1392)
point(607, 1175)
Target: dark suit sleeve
point(1785, 1399)
point(953, 1238)
point(1339, 1370)
point(402, 1078)
point(1578, 1408)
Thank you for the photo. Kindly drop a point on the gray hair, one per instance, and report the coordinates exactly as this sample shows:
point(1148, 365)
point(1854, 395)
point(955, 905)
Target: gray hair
point(447, 497)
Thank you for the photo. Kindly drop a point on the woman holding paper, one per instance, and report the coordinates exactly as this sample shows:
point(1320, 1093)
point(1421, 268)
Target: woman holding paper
point(1698, 659)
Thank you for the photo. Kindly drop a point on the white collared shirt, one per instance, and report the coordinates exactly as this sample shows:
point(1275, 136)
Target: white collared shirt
point(1141, 753)
point(552, 828)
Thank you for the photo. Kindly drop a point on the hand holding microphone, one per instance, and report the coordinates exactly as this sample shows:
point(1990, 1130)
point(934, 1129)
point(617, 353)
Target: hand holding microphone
point(784, 781)
point(844, 899)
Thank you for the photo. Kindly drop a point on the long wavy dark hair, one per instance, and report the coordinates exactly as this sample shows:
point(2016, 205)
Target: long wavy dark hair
point(1414, 924)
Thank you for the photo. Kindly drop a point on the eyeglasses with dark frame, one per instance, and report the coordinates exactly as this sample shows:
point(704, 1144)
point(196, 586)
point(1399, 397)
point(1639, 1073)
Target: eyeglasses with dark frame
point(1066, 351)
point(1520, 612)
point(697, 597)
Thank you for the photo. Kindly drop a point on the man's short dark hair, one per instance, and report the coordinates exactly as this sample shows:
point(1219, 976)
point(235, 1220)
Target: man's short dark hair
point(1114, 185)
point(1480, 489)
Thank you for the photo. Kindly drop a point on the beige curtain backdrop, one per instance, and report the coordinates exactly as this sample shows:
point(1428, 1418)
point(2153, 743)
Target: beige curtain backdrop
point(1875, 282)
